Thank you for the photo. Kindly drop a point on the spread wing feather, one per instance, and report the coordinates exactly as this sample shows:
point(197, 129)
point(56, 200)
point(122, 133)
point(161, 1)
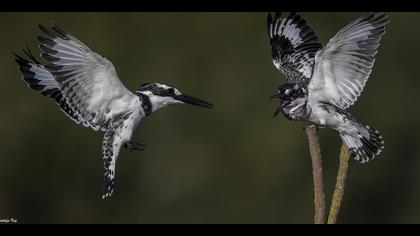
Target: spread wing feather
point(343, 66)
point(86, 79)
point(293, 46)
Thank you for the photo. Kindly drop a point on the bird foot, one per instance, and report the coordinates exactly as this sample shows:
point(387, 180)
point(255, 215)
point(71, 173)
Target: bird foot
point(134, 146)
point(317, 127)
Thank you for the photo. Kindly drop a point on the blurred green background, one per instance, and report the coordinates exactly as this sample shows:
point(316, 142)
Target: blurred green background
point(233, 164)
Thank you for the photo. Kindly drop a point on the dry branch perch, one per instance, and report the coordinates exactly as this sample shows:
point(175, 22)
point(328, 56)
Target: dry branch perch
point(340, 184)
point(315, 151)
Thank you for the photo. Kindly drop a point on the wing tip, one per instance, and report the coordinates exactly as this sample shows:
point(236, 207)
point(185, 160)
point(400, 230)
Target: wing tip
point(28, 53)
point(53, 31)
point(277, 15)
point(44, 29)
point(58, 30)
point(379, 19)
point(382, 17)
point(18, 58)
point(269, 19)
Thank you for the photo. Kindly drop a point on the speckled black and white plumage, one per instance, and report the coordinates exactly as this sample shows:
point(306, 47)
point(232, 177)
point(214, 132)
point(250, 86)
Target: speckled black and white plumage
point(363, 141)
point(86, 87)
point(111, 145)
point(88, 90)
point(293, 101)
point(336, 78)
point(293, 46)
point(85, 78)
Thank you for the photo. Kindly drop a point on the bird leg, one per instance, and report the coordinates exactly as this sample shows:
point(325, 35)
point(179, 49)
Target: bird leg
point(314, 125)
point(135, 146)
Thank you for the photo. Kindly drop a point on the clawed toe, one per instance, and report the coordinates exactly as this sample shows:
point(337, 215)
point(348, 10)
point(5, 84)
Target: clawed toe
point(134, 146)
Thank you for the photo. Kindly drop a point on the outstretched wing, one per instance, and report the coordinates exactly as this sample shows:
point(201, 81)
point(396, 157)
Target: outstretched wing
point(87, 80)
point(294, 45)
point(40, 79)
point(343, 66)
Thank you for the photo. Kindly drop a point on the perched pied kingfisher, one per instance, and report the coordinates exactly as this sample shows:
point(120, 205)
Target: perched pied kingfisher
point(87, 89)
point(323, 81)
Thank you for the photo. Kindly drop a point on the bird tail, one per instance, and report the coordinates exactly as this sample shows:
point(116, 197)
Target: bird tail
point(366, 145)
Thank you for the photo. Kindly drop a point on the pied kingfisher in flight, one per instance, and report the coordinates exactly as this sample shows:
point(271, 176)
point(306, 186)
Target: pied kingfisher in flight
point(323, 81)
point(87, 89)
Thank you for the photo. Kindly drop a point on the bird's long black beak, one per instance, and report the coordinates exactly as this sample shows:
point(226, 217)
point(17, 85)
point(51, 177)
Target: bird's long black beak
point(276, 96)
point(194, 101)
point(279, 96)
point(277, 111)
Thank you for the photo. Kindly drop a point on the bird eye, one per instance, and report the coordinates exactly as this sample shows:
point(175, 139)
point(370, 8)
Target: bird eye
point(171, 91)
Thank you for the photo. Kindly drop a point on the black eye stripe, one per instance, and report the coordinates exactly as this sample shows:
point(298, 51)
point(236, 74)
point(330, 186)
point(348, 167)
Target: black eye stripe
point(158, 90)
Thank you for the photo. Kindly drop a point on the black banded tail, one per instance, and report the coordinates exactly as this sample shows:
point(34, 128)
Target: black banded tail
point(366, 146)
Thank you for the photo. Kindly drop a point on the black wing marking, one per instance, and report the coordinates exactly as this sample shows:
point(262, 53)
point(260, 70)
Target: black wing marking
point(40, 79)
point(86, 79)
point(294, 45)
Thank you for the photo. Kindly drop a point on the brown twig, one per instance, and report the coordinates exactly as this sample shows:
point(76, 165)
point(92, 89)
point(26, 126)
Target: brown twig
point(340, 184)
point(315, 151)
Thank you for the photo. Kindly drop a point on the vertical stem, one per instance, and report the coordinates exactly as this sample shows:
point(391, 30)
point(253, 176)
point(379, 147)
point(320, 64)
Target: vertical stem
point(340, 184)
point(315, 151)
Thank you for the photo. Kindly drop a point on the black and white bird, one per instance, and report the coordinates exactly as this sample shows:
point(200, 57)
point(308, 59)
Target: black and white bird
point(324, 81)
point(87, 89)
